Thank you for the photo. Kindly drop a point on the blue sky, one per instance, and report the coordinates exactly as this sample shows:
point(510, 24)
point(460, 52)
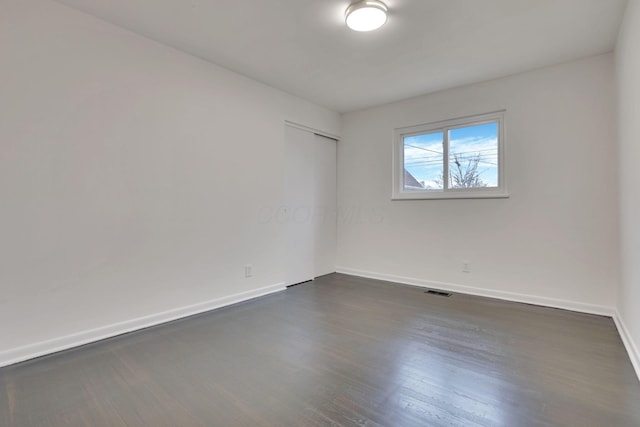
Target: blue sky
point(423, 153)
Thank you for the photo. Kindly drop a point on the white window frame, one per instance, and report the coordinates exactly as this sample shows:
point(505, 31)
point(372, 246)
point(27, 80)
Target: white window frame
point(400, 193)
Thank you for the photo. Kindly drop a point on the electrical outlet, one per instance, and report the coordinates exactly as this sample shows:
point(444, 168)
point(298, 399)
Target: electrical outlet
point(466, 267)
point(248, 270)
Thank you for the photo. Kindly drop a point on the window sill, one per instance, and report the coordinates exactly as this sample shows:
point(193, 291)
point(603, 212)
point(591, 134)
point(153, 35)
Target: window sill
point(436, 195)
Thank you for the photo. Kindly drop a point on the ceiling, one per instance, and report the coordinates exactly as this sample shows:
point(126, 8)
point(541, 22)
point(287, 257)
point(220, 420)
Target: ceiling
point(304, 48)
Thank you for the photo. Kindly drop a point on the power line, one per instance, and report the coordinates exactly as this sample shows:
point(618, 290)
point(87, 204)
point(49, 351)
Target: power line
point(422, 148)
point(486, 160)
point(476, 151)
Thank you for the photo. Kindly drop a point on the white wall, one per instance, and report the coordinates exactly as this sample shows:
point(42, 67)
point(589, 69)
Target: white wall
point(628, 79)
point(554, 241)
point(132, 178)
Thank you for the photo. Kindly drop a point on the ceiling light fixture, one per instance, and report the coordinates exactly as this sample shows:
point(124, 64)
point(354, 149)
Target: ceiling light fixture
point(366, 15)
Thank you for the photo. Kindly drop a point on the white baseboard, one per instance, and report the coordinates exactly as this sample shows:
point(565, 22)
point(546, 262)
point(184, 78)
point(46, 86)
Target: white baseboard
point(600, 310)
point(629, 344)
point(31, 351)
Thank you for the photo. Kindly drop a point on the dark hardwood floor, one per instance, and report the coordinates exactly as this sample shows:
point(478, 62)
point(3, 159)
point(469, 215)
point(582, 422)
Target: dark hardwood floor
point(340, 351)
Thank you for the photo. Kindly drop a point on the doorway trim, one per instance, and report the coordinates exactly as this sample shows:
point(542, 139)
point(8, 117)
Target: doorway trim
point(312, 130)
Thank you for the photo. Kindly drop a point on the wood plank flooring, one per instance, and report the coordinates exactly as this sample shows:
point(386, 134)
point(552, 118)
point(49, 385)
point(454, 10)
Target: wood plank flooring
point(340, 351)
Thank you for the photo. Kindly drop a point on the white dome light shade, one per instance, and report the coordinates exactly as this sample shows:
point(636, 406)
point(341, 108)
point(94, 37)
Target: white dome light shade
point(366, 15)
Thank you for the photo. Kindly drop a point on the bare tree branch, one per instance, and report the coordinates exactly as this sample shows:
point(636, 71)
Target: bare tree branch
point(465, 175)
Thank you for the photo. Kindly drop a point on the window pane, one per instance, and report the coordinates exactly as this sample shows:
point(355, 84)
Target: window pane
point(473, 156)
point(423, 162)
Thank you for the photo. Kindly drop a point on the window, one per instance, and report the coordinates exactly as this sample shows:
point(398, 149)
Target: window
point(455, 159)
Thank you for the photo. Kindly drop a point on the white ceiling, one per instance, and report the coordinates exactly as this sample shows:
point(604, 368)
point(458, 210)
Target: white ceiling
point(304, 48)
